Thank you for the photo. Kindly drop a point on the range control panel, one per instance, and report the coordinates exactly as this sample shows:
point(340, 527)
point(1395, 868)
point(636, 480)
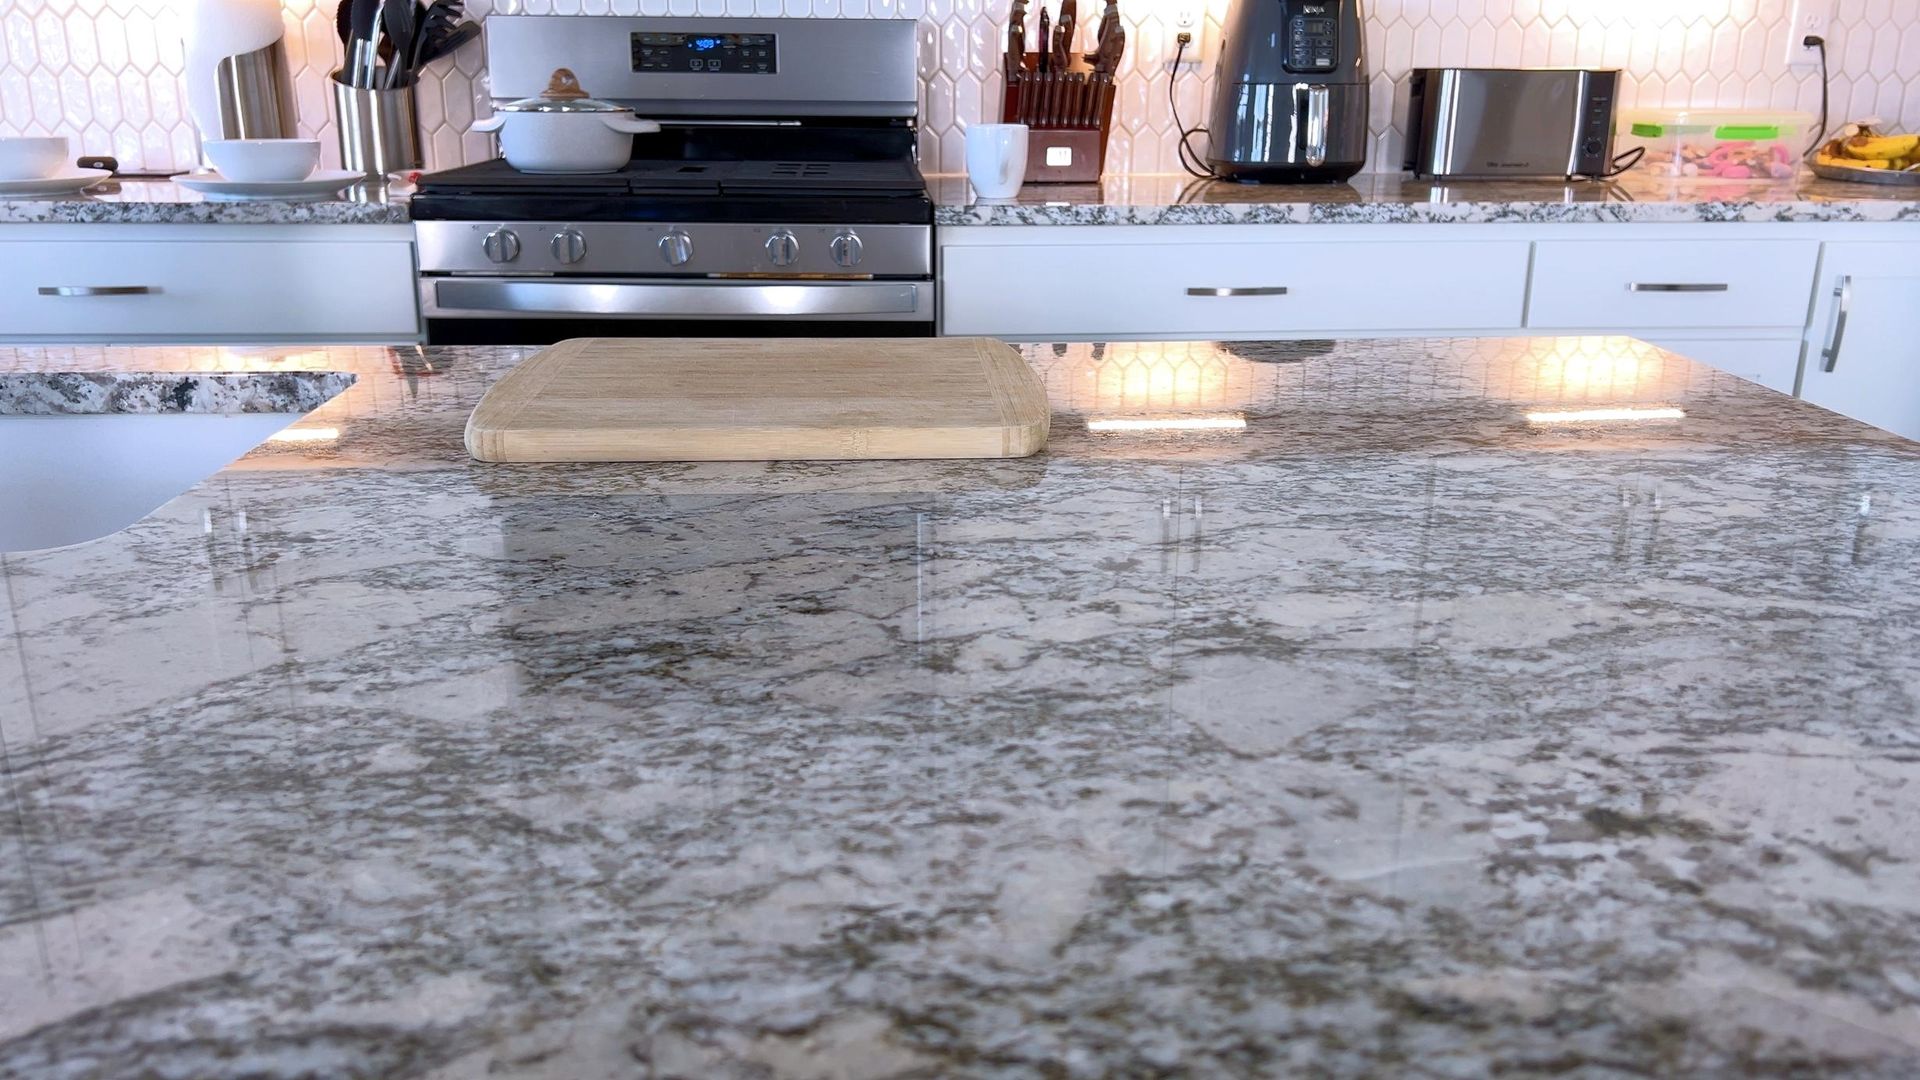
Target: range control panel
point(726, 54)
point(1313, 37)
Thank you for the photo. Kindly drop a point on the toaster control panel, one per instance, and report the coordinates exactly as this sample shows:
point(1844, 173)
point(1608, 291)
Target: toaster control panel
point(1313, 38)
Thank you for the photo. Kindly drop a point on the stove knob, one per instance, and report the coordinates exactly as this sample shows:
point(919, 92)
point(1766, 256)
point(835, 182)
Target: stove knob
point(847, 248)
point(501, 245)
point(568, 246)
point(783, 248)
point(677, 248)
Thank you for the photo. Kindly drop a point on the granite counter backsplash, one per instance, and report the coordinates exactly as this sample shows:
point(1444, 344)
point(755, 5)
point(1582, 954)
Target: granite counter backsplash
point(162, 202)
point(1425, 725)
point(1399, 199)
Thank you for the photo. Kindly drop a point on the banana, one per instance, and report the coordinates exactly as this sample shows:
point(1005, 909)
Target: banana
point(1825, 158)
point(1881, 147)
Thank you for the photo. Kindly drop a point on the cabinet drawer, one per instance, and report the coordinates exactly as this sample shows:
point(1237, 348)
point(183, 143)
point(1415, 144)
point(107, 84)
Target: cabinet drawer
point(211, 289)
point(1624, 284)
point(1198, 290)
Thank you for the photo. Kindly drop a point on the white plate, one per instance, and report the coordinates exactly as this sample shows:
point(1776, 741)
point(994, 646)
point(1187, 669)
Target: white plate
point(318, 186)
point(68, 182)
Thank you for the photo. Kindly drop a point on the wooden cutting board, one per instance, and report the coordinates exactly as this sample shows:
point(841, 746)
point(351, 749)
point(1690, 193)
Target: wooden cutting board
point(798, 399)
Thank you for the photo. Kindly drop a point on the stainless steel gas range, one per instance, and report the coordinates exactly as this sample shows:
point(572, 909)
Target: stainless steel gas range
point(781, 197)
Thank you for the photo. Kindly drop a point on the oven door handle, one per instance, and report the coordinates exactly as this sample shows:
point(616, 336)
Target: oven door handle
point(673, 300)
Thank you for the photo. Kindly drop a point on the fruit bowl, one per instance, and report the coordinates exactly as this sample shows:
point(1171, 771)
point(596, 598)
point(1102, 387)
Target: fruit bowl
point(1868, 157)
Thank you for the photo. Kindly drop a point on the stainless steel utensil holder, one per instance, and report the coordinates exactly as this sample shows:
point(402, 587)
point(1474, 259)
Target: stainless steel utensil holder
point(377, 129)
point(254, 95)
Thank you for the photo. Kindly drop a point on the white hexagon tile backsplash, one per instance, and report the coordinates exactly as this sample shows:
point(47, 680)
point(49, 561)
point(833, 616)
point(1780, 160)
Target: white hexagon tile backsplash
point(107, 72)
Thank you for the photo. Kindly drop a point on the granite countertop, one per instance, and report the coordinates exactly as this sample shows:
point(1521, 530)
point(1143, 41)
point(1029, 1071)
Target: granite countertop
point(163, 202)
point(1397, 199)
point(1405, 731)
point(1139, 200)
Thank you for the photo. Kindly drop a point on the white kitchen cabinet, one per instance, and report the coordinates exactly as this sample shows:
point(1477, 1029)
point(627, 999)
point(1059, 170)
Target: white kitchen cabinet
point(1230, 287)
point(208, 283)
point(1772, 362)
point(1626, 283)
point(1863, 344)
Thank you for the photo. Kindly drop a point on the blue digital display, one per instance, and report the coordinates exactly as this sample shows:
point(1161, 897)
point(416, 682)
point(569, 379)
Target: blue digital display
point(721, 54)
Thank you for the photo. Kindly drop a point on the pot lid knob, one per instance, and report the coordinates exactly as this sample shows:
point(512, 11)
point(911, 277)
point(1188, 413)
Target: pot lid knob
point(564, 86)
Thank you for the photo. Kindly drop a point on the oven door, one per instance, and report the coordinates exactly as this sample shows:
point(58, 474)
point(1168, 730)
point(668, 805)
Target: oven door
point(506, 310)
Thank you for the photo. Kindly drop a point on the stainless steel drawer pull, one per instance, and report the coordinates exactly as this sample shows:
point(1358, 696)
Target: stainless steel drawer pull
point(1842, 292)
point(1260, 290)
point(97, 290)
point(1640, 286)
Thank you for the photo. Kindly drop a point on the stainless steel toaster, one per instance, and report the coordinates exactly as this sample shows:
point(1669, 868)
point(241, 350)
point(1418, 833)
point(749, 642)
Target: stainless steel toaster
point(1486, 123)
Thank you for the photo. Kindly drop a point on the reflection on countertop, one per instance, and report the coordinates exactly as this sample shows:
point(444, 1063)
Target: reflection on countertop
point(149, 201)
point(1506, 707)
point(1398, 198)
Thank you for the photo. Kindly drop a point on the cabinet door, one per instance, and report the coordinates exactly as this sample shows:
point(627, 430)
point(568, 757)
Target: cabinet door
point(1771, 362)
point(1863, 348)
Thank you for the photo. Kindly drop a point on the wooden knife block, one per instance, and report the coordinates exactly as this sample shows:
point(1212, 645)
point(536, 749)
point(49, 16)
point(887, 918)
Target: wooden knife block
point(1066, 155)
point(1059, 153)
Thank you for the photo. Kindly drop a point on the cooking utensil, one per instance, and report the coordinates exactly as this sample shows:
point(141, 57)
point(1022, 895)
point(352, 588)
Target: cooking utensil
point(360, 46)
point(398, 23)
point(448, 44)
point(637, 399)
point(565, 131)
point(438, 27)
point(1062, 58)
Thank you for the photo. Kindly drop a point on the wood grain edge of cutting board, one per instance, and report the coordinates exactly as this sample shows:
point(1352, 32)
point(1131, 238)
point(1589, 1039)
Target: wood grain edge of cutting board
point(1017, 392)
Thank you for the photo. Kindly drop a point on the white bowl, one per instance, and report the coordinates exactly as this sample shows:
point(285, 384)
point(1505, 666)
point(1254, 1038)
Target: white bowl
point(32, 158)
point(253, 160)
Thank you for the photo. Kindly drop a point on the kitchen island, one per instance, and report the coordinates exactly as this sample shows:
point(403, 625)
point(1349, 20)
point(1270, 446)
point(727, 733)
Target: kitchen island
point(1436, 708)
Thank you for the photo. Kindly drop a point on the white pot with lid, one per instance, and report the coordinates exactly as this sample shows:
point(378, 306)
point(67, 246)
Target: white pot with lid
point(565, 131)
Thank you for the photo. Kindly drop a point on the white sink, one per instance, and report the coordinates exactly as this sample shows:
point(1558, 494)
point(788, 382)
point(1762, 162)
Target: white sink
point(67, 479)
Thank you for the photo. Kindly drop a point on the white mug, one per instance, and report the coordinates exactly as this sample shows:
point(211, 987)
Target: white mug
point(996, 159)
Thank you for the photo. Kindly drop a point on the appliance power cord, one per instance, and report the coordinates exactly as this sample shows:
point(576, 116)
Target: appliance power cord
point(1826, 85)
point(1190, 160)
point(1620, 163)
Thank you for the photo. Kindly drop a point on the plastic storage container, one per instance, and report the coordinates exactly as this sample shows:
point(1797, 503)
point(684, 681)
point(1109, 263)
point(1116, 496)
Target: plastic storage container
point(1719, 144)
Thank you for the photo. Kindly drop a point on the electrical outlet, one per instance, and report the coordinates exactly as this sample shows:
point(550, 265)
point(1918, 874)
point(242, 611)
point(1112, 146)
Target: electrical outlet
point(1811, 18)
point(1190, 17)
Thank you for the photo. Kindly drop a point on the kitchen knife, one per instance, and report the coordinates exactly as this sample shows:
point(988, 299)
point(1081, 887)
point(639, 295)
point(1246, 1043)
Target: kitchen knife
point(1061, 60)
point(1109, 22)
point(1112, 44)
point(1017, 40)
point(1046, 39)
point(1069, 20)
